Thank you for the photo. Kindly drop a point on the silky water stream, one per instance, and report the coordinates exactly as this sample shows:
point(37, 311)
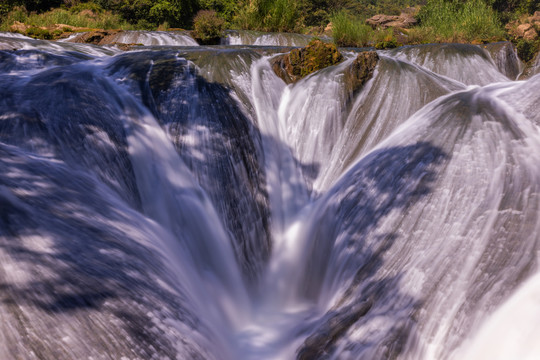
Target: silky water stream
point(183, 202)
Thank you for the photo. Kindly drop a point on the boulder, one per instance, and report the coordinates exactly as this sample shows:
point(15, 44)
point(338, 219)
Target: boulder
point(526, 31)
point(19, 27)
point(530, 34)
point(360, 71)
point(381, 21)
point(522, 29)
point(299, 63)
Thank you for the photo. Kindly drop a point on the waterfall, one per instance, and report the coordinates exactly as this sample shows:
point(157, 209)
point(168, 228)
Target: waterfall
point(183, 202)
point(244, 37)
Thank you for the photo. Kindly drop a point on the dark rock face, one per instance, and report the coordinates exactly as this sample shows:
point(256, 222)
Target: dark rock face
point(299, 63)
point(336, 324)
point(361, 70)
point(506, 58)
point(98, 37)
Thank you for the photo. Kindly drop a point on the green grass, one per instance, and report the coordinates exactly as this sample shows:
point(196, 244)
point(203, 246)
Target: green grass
point(454, 21)
point(100, 20)
point(348, 31)
point(269, 15)
point(353, 32)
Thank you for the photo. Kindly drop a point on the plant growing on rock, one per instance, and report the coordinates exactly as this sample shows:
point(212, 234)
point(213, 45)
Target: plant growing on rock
point(527, 49)
point(299, 63)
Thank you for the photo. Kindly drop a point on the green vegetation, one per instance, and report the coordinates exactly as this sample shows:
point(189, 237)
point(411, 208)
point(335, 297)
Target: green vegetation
point(439, 20)
point(527, 49)
point(208, 27)
point(85, 18)
point(455, 21)
point(315, 56)
point(511, 9)
point(353, 32)
point(269, 15)
point(299, 63)
point(348, 31)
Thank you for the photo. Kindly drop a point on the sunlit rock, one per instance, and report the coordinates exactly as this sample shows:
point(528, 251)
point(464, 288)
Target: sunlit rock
point(299, 63)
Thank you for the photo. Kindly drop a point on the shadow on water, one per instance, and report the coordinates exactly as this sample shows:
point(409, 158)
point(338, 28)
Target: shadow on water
point(387, 180)
point(79, 252)
point(70, 205)
point(63, 224)
point(216, 139)
point(71, 113)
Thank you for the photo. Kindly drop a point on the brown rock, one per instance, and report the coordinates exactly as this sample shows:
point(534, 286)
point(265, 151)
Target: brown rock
point(360, 71)
point(328, 27)
point(522, 29)
point(530, 34)
point(404, 21)
point(380, 20)
point(19, 27)
point(407, 20)
point(299, 63)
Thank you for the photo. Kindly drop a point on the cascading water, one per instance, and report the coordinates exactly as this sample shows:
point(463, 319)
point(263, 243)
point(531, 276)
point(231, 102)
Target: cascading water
point(244, 37)
point(185, 203)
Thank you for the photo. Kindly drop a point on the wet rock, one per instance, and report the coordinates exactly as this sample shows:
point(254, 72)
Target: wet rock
point(360, 71)
point(98, 37)
point(299, 63)
point(337, 323)
point(126, 47)
point(505, 56)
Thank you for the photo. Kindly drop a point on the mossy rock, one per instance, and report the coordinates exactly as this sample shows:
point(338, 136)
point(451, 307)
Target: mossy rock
point(39, 33)
point(299, 63)
point(360, 71)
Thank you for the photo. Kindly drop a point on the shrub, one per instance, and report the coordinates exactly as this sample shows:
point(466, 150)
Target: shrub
point(178, 13)
point(527, 49)
point(95, 8)
point(164, 11)
point(208, 26)
point(226, 8)
point(347, 31)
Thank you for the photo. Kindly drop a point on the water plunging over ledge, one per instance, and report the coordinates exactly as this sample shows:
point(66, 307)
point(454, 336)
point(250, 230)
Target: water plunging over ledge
point(183, 202)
